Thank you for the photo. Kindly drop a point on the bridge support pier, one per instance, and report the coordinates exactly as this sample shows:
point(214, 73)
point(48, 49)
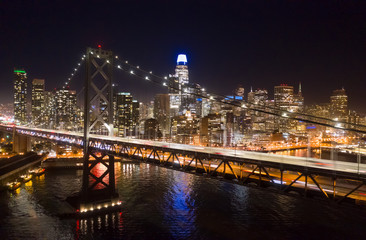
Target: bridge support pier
point(21, 143)
point(98, 188)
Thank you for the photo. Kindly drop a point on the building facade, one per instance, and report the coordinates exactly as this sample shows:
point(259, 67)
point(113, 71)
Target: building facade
point(20, 96)
point(38, 101)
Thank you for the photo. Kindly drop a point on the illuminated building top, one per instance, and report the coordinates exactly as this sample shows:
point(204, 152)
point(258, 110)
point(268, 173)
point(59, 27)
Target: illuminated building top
point(182, 58)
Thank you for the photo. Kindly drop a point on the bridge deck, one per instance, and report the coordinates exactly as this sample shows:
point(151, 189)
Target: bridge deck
point(314, 165)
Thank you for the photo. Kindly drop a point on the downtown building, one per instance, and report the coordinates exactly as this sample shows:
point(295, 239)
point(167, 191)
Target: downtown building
point(162, 113)
point(285, 100)
point(184, 96)
point(339, 105)
point(128, 115)
point(20, 96)
point(38, 102)
point(66, 109)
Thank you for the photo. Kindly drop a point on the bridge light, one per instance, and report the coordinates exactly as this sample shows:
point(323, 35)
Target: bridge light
point(137, 66)
point(131, 72)
point(165, 77)
point(79, 64)
point(107, 61)
point(164, 84)
point(119, 66)
point(116, 57)
point(126, 61)
point(147, 78)
point(97, 56)
point(150, 72)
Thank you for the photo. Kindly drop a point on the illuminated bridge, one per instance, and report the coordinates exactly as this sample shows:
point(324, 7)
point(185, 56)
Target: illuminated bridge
point(311, 177)
point(338, 181)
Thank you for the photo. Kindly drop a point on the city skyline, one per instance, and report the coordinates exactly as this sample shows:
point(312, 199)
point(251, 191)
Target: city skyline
point(321, 49)
point(182, 119)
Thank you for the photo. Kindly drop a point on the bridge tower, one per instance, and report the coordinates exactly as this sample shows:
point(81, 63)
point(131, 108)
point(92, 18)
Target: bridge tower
point(98, 183)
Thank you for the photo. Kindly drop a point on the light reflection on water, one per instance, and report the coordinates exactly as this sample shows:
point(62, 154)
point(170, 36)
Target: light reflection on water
point(159, 203)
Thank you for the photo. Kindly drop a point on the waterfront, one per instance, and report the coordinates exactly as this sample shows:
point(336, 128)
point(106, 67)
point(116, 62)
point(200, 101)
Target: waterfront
point(161, 203)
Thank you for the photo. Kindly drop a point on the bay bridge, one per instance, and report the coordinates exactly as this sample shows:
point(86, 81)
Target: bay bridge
point(333, 180)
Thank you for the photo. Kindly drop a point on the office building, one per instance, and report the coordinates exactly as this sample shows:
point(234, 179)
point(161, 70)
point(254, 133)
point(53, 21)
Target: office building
point(66, 109)
point(127, 115)
point(339, 104)
point(162, 112)
point(20, 96)
point(38, 102)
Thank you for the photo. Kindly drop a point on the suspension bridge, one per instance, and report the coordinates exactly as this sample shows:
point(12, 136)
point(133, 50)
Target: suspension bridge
point(338, 181)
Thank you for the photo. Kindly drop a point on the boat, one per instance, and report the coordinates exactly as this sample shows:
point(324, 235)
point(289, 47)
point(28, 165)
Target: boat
point(13, 185)
point(39, 171)
point(26, 178)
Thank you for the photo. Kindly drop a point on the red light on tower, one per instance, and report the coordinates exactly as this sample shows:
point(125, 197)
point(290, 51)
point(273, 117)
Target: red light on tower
point(99, 46)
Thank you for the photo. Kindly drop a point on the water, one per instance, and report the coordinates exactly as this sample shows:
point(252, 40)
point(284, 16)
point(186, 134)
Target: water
point(161, 203)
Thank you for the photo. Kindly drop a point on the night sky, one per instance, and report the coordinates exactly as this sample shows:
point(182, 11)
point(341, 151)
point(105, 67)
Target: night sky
point(252, 43)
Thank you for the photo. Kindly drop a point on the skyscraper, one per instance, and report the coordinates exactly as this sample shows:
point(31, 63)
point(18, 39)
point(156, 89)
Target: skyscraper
point(181, 70)
point(38, 103)
point(50, 110)
point(283, 96)
point(20, 96)
point(127, 114)
point(162, 107)
point(66, 109)
point(299, 100)
point(339, 104)
point(284, 100)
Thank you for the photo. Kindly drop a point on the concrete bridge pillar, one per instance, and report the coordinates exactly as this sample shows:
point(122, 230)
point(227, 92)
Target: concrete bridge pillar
point(21, 143)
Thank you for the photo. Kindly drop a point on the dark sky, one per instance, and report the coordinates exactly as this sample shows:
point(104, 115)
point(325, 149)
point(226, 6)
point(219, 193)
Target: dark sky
point(321, 44)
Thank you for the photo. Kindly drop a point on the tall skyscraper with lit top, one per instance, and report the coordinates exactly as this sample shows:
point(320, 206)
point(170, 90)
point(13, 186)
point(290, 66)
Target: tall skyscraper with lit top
point(181, 70)
point(20, 96)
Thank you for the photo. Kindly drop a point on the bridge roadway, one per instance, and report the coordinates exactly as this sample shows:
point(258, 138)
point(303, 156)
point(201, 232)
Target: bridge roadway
point(307, 167)
point(343, 168)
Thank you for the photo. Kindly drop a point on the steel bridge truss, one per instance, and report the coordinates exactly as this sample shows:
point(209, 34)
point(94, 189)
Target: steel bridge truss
point(280, 177)
point(333, 185)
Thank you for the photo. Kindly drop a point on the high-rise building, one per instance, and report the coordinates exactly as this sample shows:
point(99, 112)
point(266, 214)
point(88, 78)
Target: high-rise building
point(147, 110)
point(173, 84)
point(135, 116)
point(299, 101)
point(284, 100)
point(151, 129)
point(66, 109)
point(181, 71)
point(20, 96)
point(49, 110)
point(258, 97)
point(38, 103)
point(127, 114)
point(185, 129)
point(283, 96)
point(339, 104)
point(239, 91)
point(258, 119)
point(191, 99)
point(162, 112)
